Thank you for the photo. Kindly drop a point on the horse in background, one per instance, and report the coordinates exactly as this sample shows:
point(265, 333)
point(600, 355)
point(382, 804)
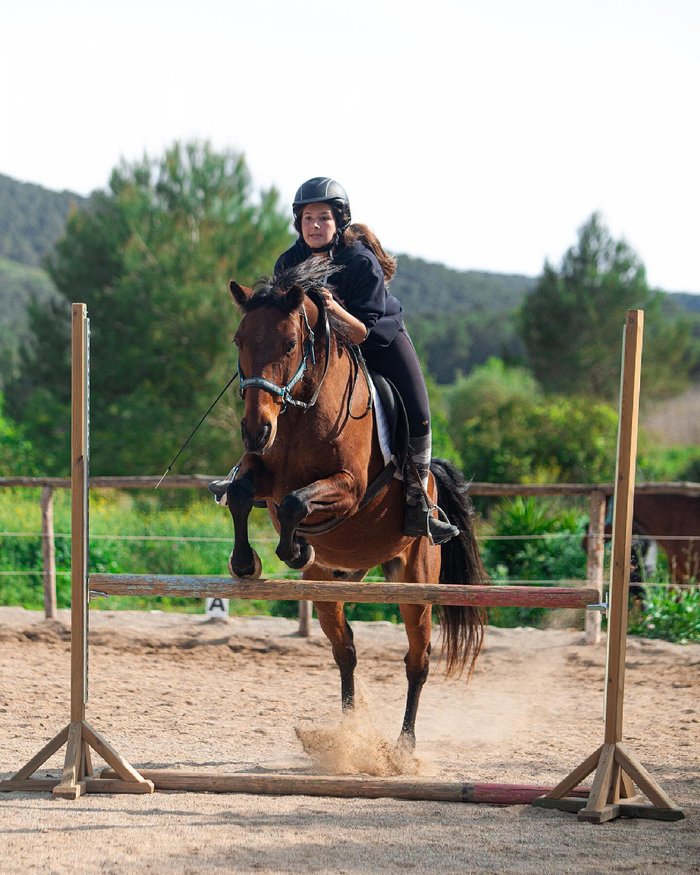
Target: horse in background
point(668, 520)
point(673, 521)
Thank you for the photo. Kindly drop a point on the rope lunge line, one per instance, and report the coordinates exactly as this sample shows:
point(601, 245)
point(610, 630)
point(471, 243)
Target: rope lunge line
point(194, 430)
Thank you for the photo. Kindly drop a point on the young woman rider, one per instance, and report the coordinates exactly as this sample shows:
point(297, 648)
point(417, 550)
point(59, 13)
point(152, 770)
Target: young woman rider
point(375, 320)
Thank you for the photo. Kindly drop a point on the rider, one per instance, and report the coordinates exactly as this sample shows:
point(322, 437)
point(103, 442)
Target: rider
point(375, 321)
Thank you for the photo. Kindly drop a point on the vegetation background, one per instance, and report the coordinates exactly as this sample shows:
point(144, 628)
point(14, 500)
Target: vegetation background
point(523, 372)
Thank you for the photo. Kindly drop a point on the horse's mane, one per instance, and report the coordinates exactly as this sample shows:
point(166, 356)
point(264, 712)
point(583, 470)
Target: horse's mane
point(311, 276)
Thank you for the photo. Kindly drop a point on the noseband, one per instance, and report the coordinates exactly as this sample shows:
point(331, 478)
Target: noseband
point(309, 353)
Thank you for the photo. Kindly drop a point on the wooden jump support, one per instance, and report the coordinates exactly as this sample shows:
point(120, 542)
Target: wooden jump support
point(78, 736)
point(612, 794)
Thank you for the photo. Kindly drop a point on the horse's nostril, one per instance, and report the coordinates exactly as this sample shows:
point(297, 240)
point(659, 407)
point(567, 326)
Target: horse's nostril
point(255, 442)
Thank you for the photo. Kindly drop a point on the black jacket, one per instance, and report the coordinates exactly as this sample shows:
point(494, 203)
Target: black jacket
point(360, 286)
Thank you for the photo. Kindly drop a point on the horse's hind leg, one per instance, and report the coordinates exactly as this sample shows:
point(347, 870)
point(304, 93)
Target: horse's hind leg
point(419, 564)
point(418, 626)
point(331, 616)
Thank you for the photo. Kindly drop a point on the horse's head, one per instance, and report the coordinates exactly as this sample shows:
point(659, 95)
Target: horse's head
point(275, 341)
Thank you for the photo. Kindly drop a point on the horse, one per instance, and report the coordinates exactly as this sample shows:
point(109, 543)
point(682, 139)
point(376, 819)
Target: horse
point(667, 518)
point(313, 457)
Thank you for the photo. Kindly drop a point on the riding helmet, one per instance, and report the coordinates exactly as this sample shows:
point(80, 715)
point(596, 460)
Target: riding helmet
point(323, 190)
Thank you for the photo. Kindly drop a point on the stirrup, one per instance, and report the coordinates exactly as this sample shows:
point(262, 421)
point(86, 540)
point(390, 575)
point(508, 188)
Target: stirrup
point(219, 488)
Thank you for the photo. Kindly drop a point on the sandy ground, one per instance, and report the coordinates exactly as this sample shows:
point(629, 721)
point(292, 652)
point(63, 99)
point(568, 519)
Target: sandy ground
point(175, 691)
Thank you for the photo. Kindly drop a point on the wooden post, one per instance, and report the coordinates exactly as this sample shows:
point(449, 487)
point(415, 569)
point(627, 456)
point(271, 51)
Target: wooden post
point(48, 553)
point(612, 791)
point(305, 619)
point(595, 560)
point(77, 769)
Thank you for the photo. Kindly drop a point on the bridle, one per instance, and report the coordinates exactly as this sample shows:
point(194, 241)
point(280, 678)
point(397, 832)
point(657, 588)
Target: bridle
point(285, 392)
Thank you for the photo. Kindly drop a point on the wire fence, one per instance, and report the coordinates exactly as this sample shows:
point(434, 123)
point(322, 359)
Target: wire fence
point(545, 536)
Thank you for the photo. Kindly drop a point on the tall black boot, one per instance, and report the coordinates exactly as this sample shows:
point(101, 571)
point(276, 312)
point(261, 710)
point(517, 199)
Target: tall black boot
point(418, 518)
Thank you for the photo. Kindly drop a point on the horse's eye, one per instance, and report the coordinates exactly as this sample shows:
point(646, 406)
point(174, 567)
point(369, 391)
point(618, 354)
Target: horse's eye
point(236, 341)
point(290, 346)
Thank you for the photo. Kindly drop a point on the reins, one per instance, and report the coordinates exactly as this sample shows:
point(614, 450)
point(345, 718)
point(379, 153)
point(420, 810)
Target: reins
point(285, 391)
point(309, 353)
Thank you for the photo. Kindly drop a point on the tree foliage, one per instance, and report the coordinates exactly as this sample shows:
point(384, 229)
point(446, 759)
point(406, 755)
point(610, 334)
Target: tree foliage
point(19, 285)
point(507, 432)
point(151, 257)
point(454, 343)
point(571, 323)
point(16, 452)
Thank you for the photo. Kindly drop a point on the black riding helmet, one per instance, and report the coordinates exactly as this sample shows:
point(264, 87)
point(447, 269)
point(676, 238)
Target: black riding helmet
point(322, 190)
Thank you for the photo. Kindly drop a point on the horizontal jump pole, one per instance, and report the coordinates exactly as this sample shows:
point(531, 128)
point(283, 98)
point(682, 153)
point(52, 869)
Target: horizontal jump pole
point(343, 591)
point(347, 786)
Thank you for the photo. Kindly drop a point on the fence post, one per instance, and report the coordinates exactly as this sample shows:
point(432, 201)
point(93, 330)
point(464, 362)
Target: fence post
point(595, 560)
point(304, 619)
point(48, 553)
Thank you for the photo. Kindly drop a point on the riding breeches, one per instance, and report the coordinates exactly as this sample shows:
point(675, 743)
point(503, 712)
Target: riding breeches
point(399, 363)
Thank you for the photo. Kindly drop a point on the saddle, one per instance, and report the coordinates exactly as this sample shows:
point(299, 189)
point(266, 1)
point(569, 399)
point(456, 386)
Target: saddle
point(395, 417)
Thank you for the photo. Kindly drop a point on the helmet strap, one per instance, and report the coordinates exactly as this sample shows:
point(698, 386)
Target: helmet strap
point(329, 246)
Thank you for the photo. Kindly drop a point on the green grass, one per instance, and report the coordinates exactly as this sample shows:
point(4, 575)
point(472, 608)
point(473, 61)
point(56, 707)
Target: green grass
point(136, 532)
point(129, 533)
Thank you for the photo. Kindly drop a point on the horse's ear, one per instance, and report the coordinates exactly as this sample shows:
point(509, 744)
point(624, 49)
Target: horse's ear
point(295, 297)
point(241, 294)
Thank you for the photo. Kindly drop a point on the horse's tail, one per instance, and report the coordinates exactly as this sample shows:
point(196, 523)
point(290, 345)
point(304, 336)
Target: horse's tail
point(462, 626)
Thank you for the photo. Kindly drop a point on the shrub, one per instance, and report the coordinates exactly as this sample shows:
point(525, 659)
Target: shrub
point(673, 615)
point(554, 552)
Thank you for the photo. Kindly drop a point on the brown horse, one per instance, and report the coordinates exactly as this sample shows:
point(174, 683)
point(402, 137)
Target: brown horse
point(668, 518)
point(312, 452)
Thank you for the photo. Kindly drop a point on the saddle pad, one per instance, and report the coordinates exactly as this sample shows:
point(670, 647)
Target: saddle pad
point(383, 430)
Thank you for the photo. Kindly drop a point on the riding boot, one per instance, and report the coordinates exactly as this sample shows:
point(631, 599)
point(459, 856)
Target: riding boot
point(418, 518)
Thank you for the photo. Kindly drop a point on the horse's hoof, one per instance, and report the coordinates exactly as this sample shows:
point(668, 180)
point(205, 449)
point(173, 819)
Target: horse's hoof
point(406, 741)
point(253, 573)
point(306, 557)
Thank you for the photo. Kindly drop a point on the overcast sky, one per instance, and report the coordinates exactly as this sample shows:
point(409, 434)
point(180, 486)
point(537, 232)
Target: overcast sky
point(476, 134)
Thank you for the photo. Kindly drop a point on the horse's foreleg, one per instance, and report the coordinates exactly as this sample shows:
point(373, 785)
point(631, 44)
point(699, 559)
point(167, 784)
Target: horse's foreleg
point(333, 496)
point(244, 561)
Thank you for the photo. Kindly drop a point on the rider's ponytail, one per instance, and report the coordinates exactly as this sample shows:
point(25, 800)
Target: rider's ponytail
point(363, 234)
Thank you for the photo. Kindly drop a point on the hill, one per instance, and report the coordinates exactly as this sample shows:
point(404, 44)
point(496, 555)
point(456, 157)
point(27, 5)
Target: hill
point(457, 318)
point(32, 218)
point(426, 289)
